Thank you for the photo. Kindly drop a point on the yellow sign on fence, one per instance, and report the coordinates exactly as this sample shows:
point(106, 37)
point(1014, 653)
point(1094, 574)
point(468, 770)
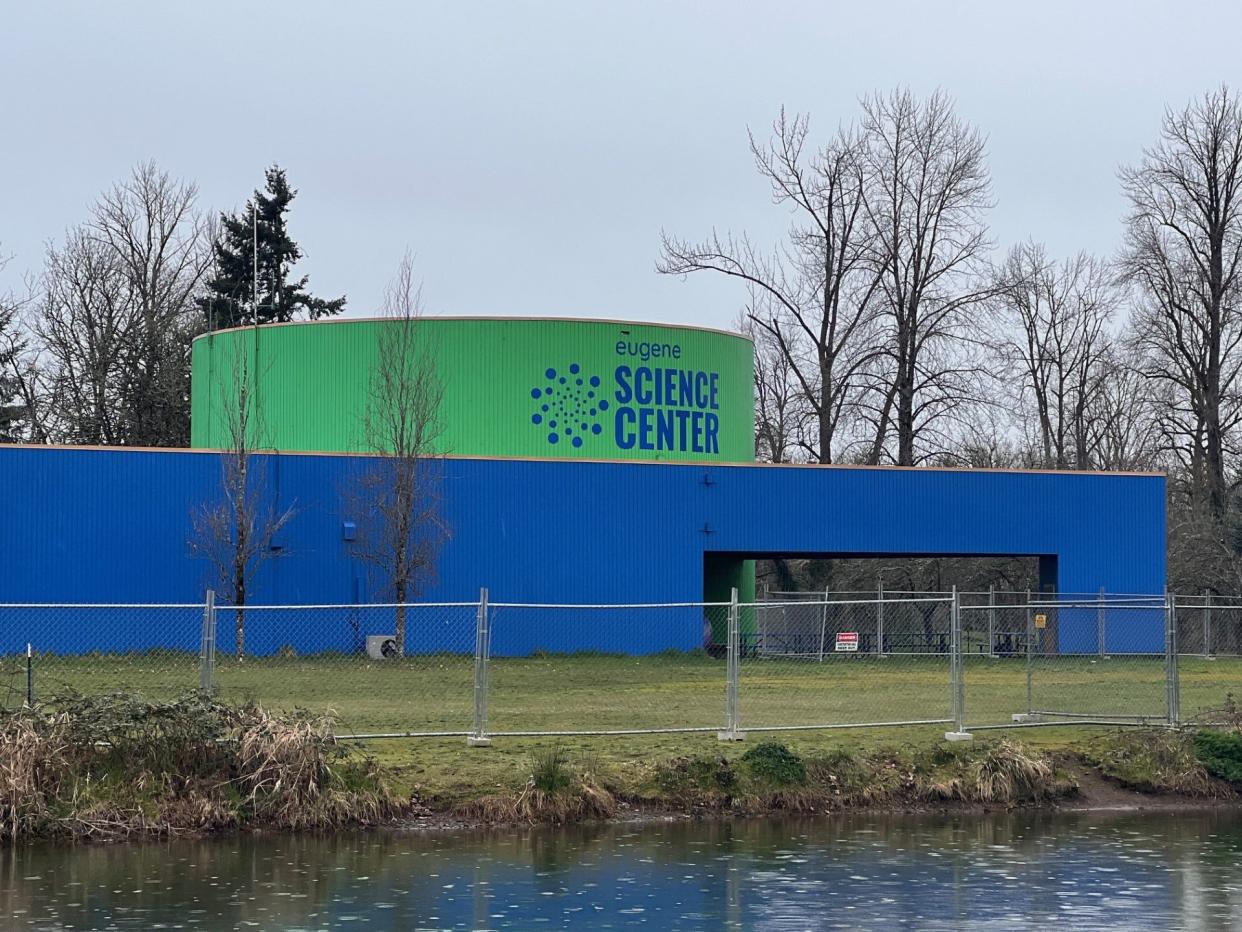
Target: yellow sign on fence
point(1041, 621)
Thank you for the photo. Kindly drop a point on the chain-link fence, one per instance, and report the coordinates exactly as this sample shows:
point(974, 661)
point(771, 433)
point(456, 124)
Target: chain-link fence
point(559, 669)
point(379, 669)
point(1065, 660)
point(480, 669)
point(838, 662)
point(54, 649)
point(1209, 645)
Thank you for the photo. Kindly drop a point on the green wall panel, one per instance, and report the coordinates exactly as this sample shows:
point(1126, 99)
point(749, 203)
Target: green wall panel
point(554, 388)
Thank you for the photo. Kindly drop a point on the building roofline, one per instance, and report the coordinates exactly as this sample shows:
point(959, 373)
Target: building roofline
point(697, 464)
point(483, 317)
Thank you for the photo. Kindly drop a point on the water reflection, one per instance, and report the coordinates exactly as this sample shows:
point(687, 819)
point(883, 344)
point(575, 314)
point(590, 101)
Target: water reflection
point(1132, 871)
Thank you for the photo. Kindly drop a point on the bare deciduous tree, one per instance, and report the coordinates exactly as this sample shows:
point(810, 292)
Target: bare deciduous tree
point(1123, 414)
point(1053, 330)
point(780, 407)
point(398, 498)
point(162, 245)
point(813, 296)
point(1183, 252)
point(927, 191)
point(235, 534)
point(117, 315)
point(20, 402)
point(84, 327)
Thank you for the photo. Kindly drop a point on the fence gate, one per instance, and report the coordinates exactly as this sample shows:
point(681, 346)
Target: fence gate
point(1090, 660)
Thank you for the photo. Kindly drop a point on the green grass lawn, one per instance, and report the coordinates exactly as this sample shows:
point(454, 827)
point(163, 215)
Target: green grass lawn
point(588, 692)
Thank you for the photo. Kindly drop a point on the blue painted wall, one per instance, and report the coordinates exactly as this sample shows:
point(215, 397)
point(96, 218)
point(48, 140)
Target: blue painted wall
point(89, 525)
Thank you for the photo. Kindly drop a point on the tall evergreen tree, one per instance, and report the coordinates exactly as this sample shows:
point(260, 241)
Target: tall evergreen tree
point(260, 228)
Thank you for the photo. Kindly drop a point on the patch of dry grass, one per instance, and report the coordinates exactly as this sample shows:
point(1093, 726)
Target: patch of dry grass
point(293, 773)
point(35, 757)
point(1153, 761)
point(101, 768)
point(1004, 772)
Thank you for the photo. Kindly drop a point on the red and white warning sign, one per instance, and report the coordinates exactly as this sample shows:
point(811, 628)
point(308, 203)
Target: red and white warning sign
point(847, 640)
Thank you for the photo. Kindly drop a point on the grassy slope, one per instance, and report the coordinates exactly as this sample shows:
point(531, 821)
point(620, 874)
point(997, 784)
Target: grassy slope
point(434, 693)
point(604, 692)
point(446, 771)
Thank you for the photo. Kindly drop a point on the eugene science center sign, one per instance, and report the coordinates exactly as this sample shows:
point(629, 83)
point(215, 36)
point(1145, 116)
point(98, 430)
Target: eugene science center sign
point(673, 394)
point(543, 388)
point(647, 402)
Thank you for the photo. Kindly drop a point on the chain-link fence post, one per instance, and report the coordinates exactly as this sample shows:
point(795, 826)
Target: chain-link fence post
point(957, 677)
point(879, 617)
point(29, 676)
point(823, 625)
point(733, 649)
point(954, 669)
point(207, 646)
point(1172, 686)
point(1207, 624)
point(482, 654)
point(1100, 631)
point(992, 621)
point(1030, 655)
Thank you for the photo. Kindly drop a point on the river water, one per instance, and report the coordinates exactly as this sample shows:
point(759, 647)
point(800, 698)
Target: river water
point(1008, 871)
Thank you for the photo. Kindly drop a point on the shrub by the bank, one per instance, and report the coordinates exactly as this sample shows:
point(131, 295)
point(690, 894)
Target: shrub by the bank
point(34, 763)
point(293, 773)
point(551, 772)
point(776, 764)
point(859, 779)
point(555, 791)
point(770, 776)
point(1002, 772)
point(114, 766)
point(1220, 753)
point(696, 782)
point(1152, 761)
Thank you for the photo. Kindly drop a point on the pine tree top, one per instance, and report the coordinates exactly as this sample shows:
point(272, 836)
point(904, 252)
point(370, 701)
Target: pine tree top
point(258, 236)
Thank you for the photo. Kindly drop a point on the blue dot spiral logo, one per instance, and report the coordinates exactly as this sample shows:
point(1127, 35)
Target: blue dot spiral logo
point(568, 406)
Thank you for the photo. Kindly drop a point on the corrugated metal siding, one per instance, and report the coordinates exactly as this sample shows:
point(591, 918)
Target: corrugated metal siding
point(104, 525)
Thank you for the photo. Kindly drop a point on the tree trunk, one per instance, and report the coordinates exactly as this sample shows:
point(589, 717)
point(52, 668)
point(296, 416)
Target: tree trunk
point(826, 421)
point(401, 588)
point(239, 589)
point(905, 414)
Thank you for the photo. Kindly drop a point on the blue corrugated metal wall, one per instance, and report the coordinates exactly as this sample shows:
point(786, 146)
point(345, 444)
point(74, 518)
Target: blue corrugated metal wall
point(114, 525)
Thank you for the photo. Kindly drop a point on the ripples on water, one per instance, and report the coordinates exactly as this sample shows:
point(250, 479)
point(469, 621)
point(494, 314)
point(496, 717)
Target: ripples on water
point(1012, 871)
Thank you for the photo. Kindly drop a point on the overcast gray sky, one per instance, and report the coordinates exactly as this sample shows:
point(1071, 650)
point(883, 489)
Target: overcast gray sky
point(529, 154)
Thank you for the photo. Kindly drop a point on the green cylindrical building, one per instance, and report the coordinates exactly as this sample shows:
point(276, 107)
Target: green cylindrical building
point(512, 387)
point(560, 388)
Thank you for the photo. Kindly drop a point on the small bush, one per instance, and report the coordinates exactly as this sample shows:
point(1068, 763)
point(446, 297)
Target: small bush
point(984, 772)
point(551, 794)
point(1220, 753)
point(293, 773)
point(858, 778)
point(696, 779)
point(35, 761)
point(181, 736)
point(1152, 761)
point(775, 763)
point(551, 774)
point(533, 805)
point(1007, 772)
